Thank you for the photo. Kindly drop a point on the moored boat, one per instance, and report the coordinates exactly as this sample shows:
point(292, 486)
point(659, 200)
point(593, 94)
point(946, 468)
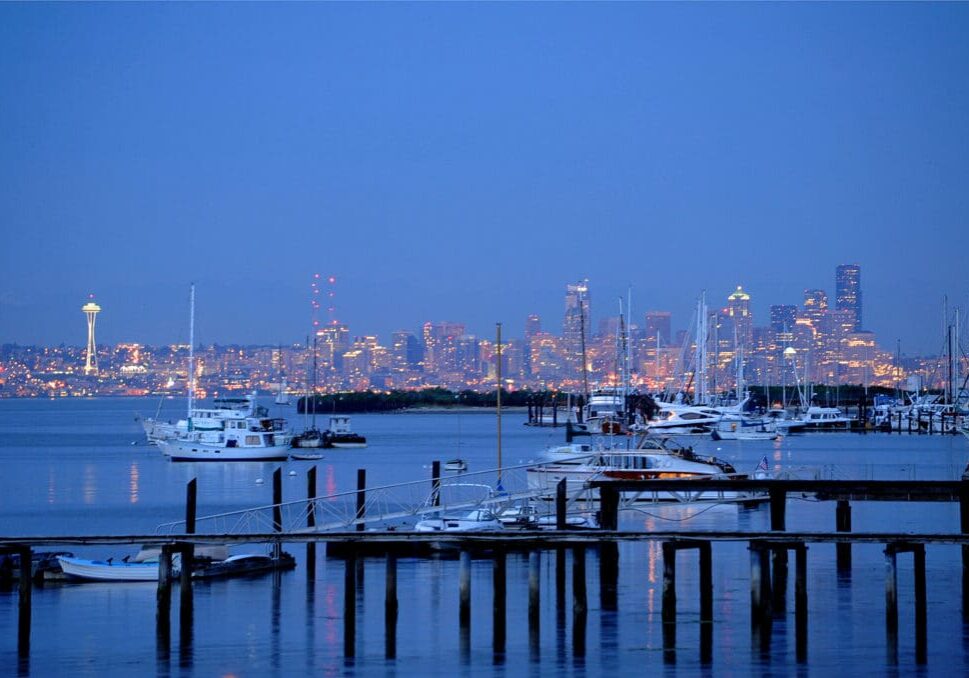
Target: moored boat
point(339, 434)
point(108, 570)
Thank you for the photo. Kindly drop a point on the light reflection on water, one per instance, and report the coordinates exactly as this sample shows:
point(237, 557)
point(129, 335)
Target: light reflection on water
point(100, 483)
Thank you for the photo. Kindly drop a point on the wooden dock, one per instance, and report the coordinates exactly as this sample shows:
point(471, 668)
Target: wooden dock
point(769, 552)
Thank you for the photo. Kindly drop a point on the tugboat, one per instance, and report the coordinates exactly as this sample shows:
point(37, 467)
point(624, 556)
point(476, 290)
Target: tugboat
point(340, 435)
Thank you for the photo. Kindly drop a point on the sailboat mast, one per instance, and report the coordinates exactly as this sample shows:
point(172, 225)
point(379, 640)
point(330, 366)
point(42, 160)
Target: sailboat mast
point(191, 352)
point(498, 401)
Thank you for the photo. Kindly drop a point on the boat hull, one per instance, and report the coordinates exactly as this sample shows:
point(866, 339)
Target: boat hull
point(180, 451)
point(99, 570)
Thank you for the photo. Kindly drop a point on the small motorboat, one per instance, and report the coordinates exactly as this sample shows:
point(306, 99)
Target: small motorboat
point(245, 564)
point(306, 456)
point(109, 570)
point(456, 465)
point(478, 520)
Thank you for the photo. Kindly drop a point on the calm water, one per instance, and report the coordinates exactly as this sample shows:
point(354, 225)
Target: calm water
point(70, 468)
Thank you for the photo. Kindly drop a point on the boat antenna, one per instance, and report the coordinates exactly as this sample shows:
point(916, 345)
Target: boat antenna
point(191, 352)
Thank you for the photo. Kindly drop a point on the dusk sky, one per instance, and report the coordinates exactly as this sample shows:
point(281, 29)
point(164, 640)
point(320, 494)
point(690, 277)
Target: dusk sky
point(465, 162)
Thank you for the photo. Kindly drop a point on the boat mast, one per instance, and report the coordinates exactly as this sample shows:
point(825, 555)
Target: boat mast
point(191, 352)
point(498, 400)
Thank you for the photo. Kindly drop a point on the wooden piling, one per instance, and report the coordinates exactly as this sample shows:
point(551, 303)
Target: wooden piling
point(390, 607)
point(706, 582)
point(277, 500)
point(361, 497)
point(560, 505)
point(842, 521)
point(436, 482)
point(499, 617)
point(778, 509)
point(24, 603)
point(350, 604)
point(800, 602)
point(186, 606)
point(609, 508)
point(921, 608)
point(464, 588)
point(163, 602)
point(311, 521)
point(191, 495)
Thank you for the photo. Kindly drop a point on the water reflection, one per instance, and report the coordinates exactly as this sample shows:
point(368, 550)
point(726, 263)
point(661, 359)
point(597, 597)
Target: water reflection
point(133, 477)
point(89, 484)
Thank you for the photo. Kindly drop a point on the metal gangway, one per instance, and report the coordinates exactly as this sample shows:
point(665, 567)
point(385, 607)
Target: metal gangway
point(505, 492)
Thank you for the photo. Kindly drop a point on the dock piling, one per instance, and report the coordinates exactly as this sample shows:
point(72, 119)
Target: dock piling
point(277, 500)
point(24, 603)
point(464, 588)
point(361, 497)
point(436, 482)
point(390, 607)
point(311, 522)
point(499, 617)
point(350, 604)
point(842, 521)
point(560, 505)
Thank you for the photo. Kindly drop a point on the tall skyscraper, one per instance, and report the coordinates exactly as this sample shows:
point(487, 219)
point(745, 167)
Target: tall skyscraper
point(738, 308)
point(533, 325)
point(91, 310)
point(576, 326)
point(847, 280)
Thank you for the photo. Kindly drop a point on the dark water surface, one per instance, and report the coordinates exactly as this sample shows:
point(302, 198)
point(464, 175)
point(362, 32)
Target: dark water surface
point(69, 467)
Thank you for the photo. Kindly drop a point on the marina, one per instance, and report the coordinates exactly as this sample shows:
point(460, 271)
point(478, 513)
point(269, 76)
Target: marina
point(590, 598)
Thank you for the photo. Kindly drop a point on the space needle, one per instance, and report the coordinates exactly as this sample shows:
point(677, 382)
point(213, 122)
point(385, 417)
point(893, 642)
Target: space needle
point(91, 310)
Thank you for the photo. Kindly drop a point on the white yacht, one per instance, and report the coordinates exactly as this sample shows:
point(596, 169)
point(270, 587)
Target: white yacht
point(249, 439)
point(204, 418)
point(651, 459)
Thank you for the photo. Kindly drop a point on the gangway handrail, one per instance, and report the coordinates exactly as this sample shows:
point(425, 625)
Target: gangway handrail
point(308, 504)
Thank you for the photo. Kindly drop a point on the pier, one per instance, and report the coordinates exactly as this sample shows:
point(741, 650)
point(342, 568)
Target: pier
point(768, 569)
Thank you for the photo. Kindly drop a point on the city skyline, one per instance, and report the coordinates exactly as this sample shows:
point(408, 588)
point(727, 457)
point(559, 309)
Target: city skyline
point(442, 167)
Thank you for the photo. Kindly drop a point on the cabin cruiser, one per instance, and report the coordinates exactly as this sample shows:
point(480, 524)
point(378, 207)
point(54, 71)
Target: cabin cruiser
point(652, 458)
point(686, 419)
point(826, 419)
point(249, 439)
point(477, 520)
point(211, 418)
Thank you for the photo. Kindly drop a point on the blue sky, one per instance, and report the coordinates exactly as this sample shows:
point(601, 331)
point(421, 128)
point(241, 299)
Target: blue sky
point(465, 161)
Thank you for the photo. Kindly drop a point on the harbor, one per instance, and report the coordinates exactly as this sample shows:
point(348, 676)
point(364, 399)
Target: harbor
point(683, 584)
